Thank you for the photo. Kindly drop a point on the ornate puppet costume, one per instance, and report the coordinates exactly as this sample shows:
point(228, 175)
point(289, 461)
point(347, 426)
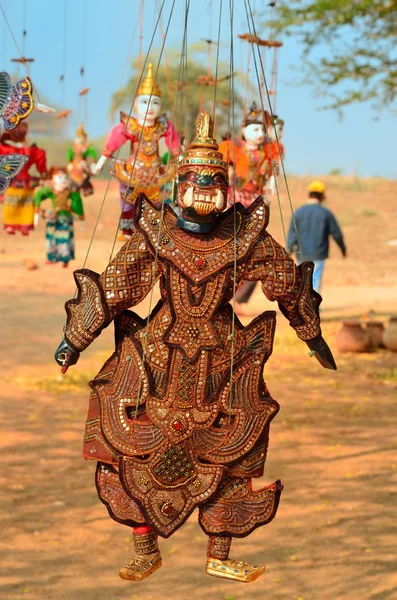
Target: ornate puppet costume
point(151, 136)
point(65, 202)
point(16, 103)
point(19, 198)
point(250, 157)
point(171, 425)
point(81, 156)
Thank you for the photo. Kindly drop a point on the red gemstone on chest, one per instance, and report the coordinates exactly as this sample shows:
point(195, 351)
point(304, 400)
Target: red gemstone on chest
point(177, 425)
point(168, 509)
point(198, 261)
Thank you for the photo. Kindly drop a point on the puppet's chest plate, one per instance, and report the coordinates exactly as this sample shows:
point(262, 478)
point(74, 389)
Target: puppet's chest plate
point(148, 137)
point(200, 256)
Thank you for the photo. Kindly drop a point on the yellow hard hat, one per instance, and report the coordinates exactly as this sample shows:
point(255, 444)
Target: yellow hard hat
point(316, 186)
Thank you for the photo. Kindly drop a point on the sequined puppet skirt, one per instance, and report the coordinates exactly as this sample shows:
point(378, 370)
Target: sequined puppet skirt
point(145, 475)
point(59, 239)
point(18, 211)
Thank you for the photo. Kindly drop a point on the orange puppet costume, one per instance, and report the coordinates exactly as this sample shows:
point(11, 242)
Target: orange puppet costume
point(250, 158)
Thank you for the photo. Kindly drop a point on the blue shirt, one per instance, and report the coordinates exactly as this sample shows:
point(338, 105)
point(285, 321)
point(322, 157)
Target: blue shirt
point(315, 224)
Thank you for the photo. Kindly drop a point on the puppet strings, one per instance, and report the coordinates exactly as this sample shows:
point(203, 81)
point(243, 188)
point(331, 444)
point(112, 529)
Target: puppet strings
point(255, 46)
point(217, 62)
point(21, 56)
point(119, 149)
point(167, 65)
point(181, 86)
point(250, 20)
point(231, 118)
point(147, 108)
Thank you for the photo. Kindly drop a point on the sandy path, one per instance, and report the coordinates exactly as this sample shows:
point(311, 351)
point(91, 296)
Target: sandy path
point(333, 445)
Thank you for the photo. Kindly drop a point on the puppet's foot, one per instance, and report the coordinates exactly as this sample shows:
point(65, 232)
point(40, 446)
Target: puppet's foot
point(141, 567)
point(234, 569)
point(148, 559)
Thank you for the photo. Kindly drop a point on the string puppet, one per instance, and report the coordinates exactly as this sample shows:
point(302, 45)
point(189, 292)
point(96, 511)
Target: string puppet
point(16, 103)
point(170, 424)
point(66, 204)
point(249, 158)
point(82, 157)
point(151, 136)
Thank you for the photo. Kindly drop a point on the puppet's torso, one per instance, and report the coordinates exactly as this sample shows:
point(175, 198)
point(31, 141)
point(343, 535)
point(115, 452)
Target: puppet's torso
point(171, 424)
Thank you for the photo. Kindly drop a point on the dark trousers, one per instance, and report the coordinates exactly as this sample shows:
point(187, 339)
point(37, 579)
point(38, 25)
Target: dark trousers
point(245, 292)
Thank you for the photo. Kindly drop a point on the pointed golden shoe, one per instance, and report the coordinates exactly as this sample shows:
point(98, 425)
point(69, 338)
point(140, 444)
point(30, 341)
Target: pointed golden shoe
point(141, 567)
point(234, 569)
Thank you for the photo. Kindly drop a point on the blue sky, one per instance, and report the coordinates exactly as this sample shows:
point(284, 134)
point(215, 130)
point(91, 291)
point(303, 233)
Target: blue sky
point(100, 33)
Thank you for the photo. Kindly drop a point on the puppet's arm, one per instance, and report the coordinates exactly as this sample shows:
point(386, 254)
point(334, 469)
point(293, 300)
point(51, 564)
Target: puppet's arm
point(291, 286)
point(125, 282)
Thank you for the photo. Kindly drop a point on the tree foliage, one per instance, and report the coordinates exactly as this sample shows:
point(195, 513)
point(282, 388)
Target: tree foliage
point(183, 98)
point(349, 48)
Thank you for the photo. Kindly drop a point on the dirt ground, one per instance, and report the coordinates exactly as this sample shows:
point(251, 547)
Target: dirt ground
point(333, 443)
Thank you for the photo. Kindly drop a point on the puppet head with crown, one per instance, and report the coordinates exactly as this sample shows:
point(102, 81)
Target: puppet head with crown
point(80, 137)
point(147, 105)
point(202, 179)
point(255, 126)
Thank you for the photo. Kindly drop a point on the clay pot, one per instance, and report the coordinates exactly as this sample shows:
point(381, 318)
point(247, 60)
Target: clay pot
point(352, 338)
point(390, 335)
point(30, 265)
point(375, 331)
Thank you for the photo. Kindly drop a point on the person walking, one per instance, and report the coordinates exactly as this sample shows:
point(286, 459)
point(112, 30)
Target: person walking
point(309, 234)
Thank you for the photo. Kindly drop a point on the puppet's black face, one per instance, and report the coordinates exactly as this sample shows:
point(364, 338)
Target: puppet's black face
point(202, 191)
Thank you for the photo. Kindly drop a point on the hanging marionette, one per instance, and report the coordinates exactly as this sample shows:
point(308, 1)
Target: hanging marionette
point(171, 426)
point(66, 204)
point(19, 211)
point(151, 136)
point(81, 162)
point(17, 156)
point(249, 158)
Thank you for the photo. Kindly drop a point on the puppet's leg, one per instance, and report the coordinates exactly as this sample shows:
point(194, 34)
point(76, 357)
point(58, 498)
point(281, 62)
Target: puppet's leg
point(235, 510)
point(220, 565)
point(148, 557)
point(124, 510)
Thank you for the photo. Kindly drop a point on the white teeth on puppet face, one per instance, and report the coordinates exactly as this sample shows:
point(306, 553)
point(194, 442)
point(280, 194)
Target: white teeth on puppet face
point(219, 200)
point(188, 197)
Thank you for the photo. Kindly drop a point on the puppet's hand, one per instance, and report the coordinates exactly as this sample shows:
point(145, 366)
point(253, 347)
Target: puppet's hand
point(65, 356)
point(319, 348)
point(97, 168)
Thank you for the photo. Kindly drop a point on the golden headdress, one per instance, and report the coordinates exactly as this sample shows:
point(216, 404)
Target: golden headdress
point(257, 116)
point(204, 148)
point(148, 87)
point(80, 131)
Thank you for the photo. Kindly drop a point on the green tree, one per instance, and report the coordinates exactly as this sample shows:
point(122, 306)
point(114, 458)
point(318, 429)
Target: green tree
point(348, 48)
point(183, 97)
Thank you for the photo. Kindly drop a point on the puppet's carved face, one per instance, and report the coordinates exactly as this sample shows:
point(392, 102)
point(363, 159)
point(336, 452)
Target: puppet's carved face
point(254, 133)
point(202, 190)
point(60, 181)
point(147, 107)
